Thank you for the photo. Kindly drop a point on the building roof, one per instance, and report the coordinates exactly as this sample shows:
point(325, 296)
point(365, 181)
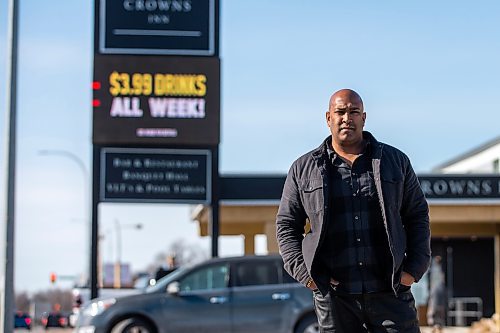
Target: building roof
point(468, 154)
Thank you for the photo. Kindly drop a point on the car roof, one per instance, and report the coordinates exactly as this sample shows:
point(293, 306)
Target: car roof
point(242, 258)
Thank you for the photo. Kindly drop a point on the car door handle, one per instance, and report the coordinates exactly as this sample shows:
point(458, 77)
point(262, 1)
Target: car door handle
point(280, 296)
point(218, 299)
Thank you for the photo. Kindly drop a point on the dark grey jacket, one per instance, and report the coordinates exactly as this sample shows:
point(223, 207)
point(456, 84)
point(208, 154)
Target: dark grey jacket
point(404, 209)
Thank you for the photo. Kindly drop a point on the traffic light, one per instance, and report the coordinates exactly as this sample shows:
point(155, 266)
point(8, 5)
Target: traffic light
point(53, 277)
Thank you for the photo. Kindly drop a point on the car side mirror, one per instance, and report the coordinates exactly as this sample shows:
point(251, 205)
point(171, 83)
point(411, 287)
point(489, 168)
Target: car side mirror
point(174, 288)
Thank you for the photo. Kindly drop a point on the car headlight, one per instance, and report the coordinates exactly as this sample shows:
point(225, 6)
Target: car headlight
point(97, 307)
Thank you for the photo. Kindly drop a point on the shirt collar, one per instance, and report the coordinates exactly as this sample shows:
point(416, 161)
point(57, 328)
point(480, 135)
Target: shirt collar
point(332, 155)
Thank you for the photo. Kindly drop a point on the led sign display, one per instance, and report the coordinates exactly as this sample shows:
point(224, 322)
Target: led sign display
point(156, 100)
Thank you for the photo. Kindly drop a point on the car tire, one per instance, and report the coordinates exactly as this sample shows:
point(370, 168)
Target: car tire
point(133, 325)
point(308, 324)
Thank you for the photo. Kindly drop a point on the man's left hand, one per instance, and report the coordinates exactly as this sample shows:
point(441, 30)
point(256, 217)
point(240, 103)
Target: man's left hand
point(407, 279)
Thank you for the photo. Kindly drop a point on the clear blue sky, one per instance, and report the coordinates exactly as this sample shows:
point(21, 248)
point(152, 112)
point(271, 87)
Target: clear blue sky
point(428, 71)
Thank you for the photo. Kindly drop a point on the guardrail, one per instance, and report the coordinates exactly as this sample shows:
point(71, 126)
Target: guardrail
point(462, 308)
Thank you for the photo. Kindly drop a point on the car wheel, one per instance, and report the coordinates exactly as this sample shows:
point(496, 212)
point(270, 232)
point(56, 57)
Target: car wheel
point(133, 325)
point(309, 324)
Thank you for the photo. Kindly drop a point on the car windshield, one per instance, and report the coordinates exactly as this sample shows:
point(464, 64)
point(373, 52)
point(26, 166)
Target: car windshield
point(161, 284)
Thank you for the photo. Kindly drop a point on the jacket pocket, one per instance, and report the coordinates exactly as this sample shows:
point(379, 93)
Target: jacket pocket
point(392, 178)
point(392, 189)
point(311, 191)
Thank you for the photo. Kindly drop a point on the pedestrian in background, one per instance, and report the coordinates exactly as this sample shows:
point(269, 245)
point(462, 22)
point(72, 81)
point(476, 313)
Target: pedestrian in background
point(168, 267)
point(367, 238)
point(436, 309)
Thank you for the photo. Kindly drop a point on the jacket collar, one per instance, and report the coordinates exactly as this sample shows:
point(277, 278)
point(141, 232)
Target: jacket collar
point(322, 153)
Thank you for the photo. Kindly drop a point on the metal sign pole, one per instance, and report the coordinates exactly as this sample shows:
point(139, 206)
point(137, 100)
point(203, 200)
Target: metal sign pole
point(7, 270)
point(214, 221)
point(94, 233)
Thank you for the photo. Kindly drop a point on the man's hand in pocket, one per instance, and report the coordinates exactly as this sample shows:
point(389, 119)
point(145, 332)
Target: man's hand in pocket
point(407, 279)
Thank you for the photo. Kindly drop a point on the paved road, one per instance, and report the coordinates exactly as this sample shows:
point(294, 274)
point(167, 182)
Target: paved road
point(448, 330)
point(39, 329)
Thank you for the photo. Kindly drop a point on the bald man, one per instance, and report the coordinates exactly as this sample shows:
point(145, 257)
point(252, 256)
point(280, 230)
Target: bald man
point(353, 226)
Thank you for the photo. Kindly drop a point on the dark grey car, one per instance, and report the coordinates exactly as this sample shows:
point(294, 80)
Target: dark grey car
point(234, 295)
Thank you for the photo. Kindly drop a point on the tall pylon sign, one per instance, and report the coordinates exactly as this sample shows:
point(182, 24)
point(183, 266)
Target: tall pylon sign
point(156, 106)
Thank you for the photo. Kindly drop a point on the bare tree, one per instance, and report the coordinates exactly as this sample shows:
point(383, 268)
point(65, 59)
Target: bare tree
point(22, 302)
point(55, 296)
point(185, 253)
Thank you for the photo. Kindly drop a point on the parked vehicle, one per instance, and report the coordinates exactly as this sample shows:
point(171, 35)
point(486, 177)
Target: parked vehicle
point(54, 319)
point(143, 280)
point(22, 320)
point(81, 296)
point(236, 295)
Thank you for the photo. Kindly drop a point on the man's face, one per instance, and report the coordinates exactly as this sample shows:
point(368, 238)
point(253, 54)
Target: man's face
point(346, 118)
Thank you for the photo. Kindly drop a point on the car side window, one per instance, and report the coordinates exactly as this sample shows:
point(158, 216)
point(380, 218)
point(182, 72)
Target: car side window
point(256, 273)
point(206, 278)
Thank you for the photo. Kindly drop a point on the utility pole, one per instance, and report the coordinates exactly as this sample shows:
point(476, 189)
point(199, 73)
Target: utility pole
point(7, 269)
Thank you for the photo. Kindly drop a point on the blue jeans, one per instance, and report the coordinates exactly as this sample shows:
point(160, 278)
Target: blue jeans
point(366, 313)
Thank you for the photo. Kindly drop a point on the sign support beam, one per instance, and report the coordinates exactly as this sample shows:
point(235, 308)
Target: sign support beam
point(214, 221)
point(94, 229)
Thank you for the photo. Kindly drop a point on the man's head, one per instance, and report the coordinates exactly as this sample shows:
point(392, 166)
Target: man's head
point(346, 117)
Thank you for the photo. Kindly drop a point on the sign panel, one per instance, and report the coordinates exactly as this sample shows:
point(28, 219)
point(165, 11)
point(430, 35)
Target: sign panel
point(155, 175)
point(470, 187)
point(156, 100)
point(455, 188)
point(173, 27)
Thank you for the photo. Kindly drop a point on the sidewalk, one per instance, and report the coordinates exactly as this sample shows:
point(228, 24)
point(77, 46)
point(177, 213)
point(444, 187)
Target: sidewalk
point(451, 329)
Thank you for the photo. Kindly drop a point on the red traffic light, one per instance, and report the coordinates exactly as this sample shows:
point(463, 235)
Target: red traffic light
point(53, 277)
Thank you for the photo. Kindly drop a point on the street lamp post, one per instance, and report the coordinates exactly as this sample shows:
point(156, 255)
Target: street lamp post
point(118, 228)
point(100, 269)
point(86, 183)
point(74, 158)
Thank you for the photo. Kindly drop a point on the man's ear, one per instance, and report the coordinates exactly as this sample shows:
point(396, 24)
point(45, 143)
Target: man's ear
point(327, 118)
